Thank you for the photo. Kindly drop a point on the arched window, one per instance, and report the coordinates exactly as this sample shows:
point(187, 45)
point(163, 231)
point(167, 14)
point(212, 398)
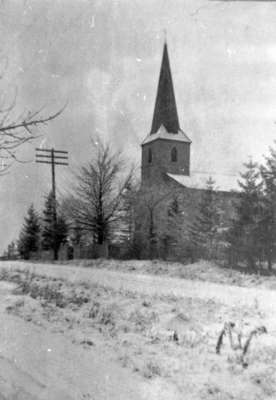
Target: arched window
point(174, 155)
point(149, 156)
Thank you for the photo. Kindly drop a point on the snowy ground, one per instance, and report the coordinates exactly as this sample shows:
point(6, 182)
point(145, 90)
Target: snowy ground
point(100, 333)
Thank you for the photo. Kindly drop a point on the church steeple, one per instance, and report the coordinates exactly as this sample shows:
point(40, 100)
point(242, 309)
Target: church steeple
point(166, 150)
point(165, 111)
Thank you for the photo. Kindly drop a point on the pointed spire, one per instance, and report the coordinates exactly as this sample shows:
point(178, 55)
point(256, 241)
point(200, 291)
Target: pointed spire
point(165, 112)
point(165, 35)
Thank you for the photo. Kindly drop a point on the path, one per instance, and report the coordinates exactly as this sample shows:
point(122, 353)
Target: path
point(36, 364)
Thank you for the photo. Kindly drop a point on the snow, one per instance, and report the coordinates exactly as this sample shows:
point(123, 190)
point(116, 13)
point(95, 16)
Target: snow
point(223, 183)
point(162, 133)
point(131, 353)
point(37, 364)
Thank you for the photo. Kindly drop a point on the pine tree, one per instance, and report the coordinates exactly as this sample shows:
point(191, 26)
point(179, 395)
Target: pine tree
point(172, 233)
point(268, 222)
point(204, 230)
point(54, 233)
point(30, 234)
point(244, 234)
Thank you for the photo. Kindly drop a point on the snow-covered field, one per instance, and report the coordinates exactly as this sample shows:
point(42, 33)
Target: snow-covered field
point(133, 330)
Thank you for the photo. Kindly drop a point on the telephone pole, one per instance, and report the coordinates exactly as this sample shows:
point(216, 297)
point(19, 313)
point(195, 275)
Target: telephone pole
point(53, 157)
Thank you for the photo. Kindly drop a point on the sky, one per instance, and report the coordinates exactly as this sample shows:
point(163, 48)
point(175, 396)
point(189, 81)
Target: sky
point(103, 58)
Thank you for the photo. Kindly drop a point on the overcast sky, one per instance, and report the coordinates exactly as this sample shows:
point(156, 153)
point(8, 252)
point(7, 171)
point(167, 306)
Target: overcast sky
point(104, 58)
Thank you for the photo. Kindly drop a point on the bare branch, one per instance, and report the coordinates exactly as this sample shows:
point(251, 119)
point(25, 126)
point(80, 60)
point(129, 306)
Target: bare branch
point(28, 122)
point(14, 132)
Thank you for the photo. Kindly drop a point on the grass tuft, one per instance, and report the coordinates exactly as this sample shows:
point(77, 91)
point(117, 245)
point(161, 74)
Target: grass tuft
point(151, 370)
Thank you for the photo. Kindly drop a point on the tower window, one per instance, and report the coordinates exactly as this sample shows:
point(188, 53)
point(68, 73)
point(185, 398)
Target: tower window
point(150, 156)
point(174, 155)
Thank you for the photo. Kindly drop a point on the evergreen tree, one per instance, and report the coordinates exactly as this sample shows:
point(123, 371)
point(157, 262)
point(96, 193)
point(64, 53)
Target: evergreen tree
point(54, 233)
point(48, 224)
point(268, 221)
point(30, 234)
point(125, 226)
point(172, 233)
point(204, 230)
point(244, 234)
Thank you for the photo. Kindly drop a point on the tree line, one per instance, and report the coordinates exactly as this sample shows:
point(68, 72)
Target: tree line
point(252, 234)
point(106, 203)
point(245, 238)
point(97, 209)
point(248, 238)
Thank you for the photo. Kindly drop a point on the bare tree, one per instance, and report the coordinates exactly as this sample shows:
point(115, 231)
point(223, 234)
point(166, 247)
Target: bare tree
point(17, 128)
point(15, 131)
point(96, 203)
point(152, 223)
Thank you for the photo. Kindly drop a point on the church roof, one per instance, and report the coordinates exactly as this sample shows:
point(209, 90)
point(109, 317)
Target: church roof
point(162, 133)
point(223, 183)
point(165, 111)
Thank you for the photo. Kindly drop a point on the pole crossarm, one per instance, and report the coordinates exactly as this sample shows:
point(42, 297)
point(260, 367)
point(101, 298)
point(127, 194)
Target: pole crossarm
point(50, 150)
point(50, 162)
point(49, 156)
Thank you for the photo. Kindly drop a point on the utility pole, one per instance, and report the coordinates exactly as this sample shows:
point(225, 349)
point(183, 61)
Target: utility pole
point(53, 157)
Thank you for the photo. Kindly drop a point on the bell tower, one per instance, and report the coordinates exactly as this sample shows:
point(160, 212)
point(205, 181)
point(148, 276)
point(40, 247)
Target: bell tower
point(167, 148)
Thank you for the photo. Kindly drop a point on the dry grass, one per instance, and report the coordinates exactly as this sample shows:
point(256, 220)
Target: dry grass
point(151, 369)
point(142, 319)
point(201, 270)
point(44, 288)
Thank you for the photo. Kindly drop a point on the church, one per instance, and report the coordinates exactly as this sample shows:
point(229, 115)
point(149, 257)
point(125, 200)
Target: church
point(166, 150)
point(167, 177)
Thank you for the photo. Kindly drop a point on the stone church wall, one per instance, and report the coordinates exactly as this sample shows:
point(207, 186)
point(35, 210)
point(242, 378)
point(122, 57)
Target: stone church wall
point(155, 204)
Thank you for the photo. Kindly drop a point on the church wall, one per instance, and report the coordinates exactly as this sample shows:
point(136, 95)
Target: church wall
point(161, 159)
point(189, 201)
point(188, 205)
